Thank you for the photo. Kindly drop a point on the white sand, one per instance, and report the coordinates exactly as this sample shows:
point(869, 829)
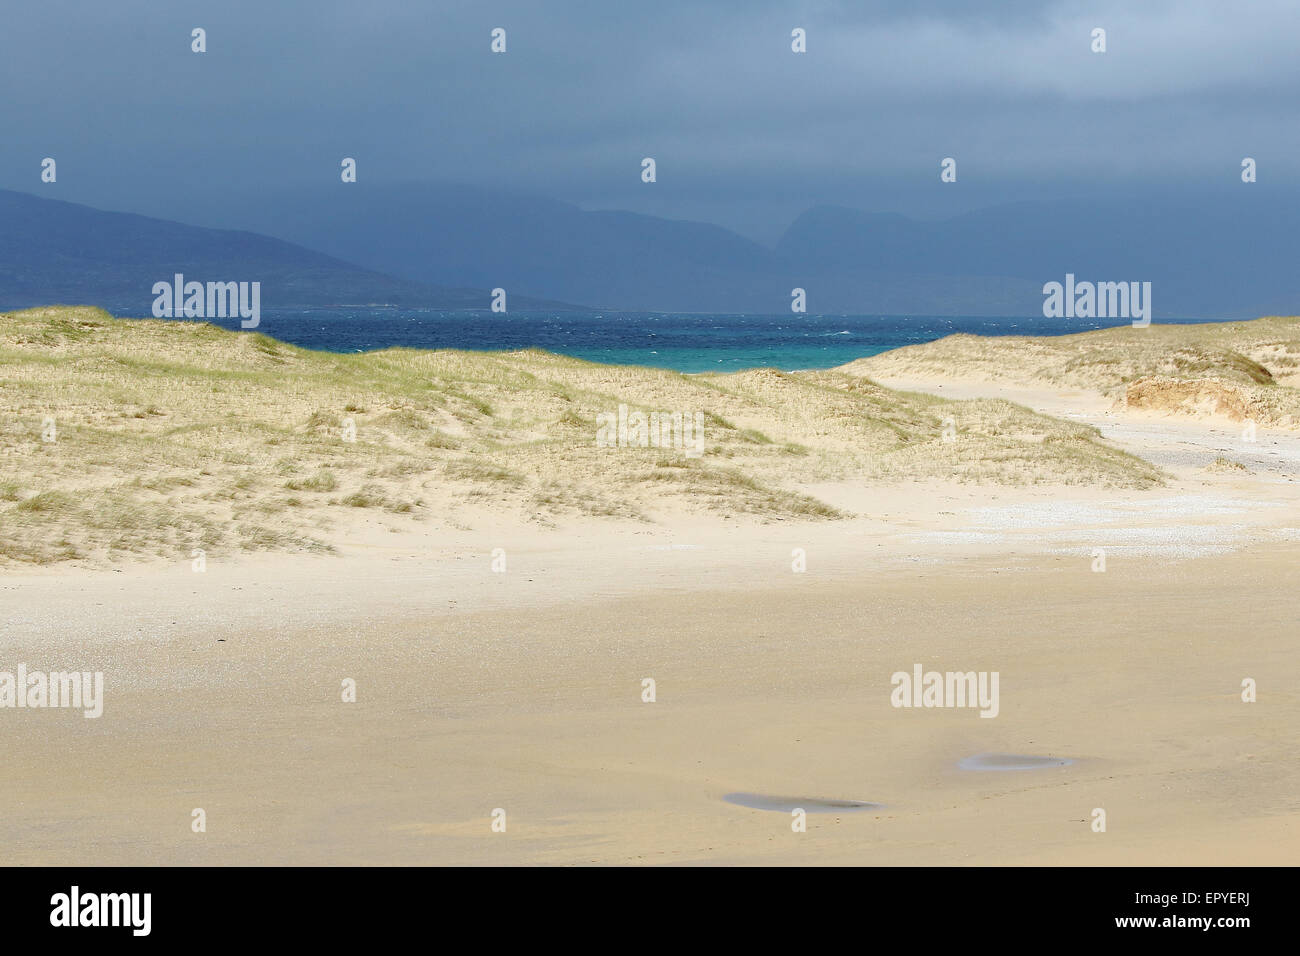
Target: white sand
point(522, 690)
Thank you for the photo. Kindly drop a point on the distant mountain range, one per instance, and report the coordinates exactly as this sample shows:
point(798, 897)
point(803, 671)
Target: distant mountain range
point(442, 246)
point(1233, 254)
point(58, 252)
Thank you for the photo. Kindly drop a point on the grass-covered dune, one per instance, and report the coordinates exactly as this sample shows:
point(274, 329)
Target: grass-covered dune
point(1237, 369)
point(151, 437)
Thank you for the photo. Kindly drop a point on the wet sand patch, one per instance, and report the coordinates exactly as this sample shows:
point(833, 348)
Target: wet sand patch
point(759, 801)
point(1011, 762)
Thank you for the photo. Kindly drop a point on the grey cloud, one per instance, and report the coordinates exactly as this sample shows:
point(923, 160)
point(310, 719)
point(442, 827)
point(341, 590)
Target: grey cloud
point(588, 88)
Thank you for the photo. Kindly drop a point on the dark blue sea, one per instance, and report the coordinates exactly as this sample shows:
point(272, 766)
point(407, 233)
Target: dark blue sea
point(685, 342)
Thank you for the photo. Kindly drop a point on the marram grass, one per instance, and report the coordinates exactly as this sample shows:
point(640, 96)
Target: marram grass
point(172, 436)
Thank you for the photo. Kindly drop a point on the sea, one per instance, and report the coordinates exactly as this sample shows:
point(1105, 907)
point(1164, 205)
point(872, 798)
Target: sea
point(685, 342)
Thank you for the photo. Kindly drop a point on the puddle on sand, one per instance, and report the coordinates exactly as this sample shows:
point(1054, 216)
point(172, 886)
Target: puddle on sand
point(1011, 762)
point(759, 801)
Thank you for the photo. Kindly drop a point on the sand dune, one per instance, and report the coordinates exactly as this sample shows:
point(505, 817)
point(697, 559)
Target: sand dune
point(169, 437)
point(1234, 370)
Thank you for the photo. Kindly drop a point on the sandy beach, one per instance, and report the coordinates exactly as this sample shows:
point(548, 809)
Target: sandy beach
point(521, 689)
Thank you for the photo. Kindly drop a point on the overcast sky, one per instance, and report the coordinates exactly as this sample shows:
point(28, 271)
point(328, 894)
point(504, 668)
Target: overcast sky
point(745, 132)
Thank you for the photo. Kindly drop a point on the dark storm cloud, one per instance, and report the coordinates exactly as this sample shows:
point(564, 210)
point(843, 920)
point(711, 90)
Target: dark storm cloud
point(737, 123)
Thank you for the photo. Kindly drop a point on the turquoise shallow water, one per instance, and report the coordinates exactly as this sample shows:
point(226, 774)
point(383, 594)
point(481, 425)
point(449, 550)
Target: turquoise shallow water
point(687, 343)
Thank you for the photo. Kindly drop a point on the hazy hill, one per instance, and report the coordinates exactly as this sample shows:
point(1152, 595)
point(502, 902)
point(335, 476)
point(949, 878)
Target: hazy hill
point(490, 238)
point(53, 251)
point(1228, 255)
point(1231, 255)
